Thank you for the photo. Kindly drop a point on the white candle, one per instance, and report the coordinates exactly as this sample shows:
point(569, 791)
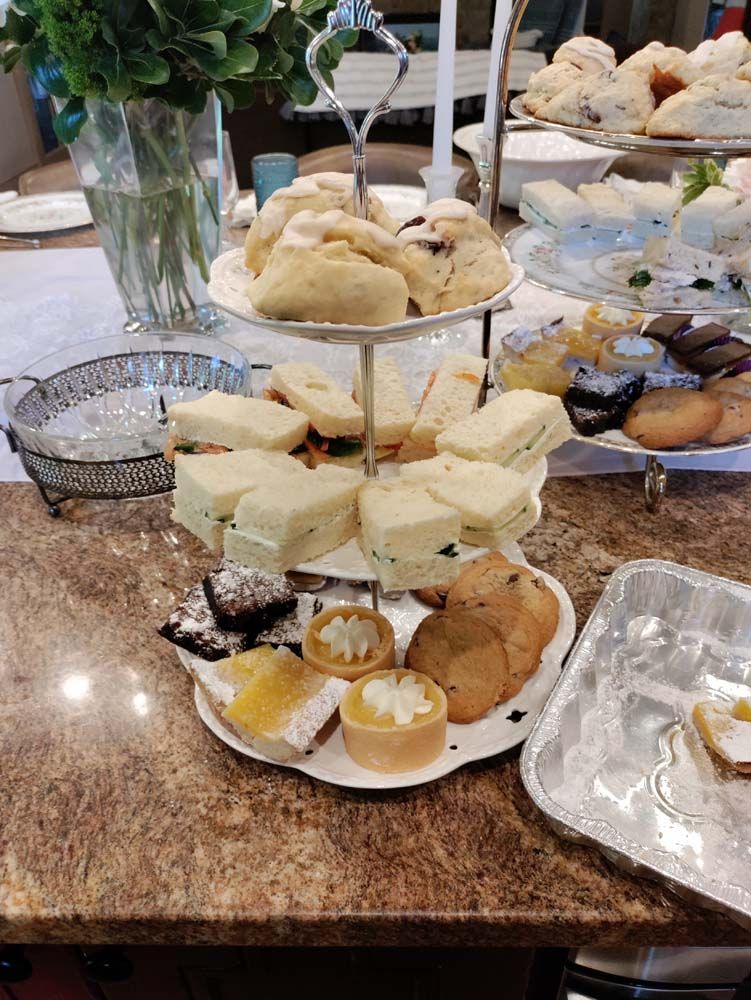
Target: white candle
point(443, 124)
point(500, 21)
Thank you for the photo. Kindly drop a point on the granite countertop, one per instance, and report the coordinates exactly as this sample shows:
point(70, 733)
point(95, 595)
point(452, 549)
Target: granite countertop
point(125, 820)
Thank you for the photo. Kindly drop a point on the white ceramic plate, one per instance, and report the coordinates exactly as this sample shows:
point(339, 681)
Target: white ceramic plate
point(640, 143)
point(596, 270)
point(402, 201)
point(45, 213)
point(348, 563)
point(228, 288)
point(327, 760)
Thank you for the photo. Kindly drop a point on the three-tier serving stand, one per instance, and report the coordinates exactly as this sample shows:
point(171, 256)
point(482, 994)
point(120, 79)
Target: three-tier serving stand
point(655, 474)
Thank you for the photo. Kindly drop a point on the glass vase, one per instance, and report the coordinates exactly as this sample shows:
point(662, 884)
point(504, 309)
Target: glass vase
point(151, 176)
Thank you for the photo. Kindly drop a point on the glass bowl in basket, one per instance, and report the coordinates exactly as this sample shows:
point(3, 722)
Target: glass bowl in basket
point(91, 421)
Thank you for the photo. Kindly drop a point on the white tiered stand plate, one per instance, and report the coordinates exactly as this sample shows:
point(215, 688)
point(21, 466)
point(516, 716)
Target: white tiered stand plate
point(348, 562)
point(596, 271)
point(327, 759)
point(228, 288)
point(687, 148)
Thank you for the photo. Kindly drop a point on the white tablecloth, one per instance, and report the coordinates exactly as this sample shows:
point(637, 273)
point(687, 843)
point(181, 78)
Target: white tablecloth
point(51, 299)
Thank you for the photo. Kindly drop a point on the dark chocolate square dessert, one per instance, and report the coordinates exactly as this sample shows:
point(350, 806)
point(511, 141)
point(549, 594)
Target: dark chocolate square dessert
point(246, 599)
point(700, 339)
point(193, 627)
point(664, 328)
point(589, 421)
point(290, 628)
point(716, 359)
point(595, 389)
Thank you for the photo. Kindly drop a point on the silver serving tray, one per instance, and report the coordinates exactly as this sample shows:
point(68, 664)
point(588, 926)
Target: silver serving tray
point(614, 760)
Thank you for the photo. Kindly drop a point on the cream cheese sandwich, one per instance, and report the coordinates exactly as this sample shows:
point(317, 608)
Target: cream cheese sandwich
point(555, 210)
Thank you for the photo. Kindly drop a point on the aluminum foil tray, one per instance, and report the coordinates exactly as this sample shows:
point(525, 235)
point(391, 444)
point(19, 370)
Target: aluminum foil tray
point(614, 759)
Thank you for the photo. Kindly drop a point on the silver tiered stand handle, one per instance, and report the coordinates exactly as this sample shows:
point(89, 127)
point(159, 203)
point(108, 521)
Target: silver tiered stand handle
point(359, 14)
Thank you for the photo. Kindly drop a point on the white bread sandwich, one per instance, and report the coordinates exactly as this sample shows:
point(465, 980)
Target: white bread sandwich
point(555, 210)
point(337, 423)
point(495, 504)
point(673, 272)
point(408, 538)
point(208, 487)
point(220, 422)
point(515, 430)
point(732, 229)
point(656, 208)
point(450, 395)
point(613, 216)
point(284, 521)
point(699, 216)
point(394, 414)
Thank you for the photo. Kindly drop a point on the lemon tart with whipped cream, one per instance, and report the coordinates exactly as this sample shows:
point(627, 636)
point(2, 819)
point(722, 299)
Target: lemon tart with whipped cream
point(394, 720)
point(608, 321)
point(348, 641)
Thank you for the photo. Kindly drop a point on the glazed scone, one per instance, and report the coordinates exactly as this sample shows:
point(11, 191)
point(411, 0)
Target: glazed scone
point(619, 101)
point(669, 69)
point(454, 259)
point(717, 107)
point(721, 55)
point(333, 268)
point(589, 54)
point(549, 81)
point(316, 193)
point(744, 72)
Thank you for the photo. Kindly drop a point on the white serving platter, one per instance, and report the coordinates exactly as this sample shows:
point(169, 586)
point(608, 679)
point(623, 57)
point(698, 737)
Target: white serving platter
point(347, 562)
point(597, 271)
point(629, 142)
point(228, 288)
point(327, 759)
point(45, 213)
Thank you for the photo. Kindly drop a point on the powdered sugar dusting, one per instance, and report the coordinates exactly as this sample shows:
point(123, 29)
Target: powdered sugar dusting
point(315, 713)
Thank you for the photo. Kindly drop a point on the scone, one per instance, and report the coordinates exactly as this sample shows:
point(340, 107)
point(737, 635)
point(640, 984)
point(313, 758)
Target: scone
point(744, 72)
point(717, 107)
point(619, 101)
point(721, 55)
point(333, 268)
point(590, 55)
point(549, 81)
point(316, 193)
point(668, 418)
point(669, 69)
point(454, 259)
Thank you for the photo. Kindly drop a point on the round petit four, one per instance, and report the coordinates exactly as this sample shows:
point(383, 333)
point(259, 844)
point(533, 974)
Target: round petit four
point(607, 321)
point(630, 354)
point(348, 641)
point(394, 720)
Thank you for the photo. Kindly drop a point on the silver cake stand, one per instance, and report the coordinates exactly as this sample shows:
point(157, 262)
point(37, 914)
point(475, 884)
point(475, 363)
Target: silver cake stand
point(224, 288)
point(655, 474)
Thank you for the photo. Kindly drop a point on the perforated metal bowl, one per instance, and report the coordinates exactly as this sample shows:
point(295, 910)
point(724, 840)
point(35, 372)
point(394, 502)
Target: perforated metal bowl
point(90, 421)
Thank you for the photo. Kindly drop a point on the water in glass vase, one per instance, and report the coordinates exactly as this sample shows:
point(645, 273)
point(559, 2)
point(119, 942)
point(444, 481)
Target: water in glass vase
point(159, 248)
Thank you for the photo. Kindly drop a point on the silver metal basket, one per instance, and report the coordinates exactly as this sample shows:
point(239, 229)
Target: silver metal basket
point(93, 422)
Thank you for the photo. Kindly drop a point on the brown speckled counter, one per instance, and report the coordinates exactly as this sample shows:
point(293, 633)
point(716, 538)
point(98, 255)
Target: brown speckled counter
point(123, 819)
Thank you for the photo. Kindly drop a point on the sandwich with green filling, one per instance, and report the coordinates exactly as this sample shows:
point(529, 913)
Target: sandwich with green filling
point(515, 430)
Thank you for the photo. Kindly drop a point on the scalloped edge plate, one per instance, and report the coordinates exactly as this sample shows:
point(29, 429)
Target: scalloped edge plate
point(228, 288)
point(491, 735)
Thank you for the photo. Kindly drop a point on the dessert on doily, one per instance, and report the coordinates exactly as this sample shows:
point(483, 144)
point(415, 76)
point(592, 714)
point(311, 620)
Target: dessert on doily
point(659, 91)
point(312, 260)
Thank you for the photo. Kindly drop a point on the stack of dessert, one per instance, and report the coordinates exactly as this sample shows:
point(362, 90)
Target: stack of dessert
point(661, 91)
point(313, 261)
point(292, 489)
point(672, 385)
point(690, 252)
point(274, 667)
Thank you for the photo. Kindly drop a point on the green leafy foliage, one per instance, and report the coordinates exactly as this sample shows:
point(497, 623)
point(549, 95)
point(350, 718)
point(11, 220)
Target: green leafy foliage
point(178, 51)
point(703, 174)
